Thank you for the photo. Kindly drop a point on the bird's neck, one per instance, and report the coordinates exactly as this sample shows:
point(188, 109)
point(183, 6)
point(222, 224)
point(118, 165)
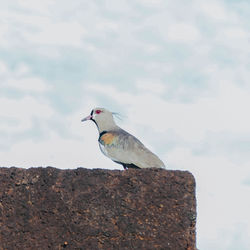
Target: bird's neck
point(106, 126)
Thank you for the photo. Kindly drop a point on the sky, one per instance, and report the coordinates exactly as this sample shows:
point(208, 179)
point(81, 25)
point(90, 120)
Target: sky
point(177, 71)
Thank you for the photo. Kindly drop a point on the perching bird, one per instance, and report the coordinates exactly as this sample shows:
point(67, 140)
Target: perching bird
point(119, 145)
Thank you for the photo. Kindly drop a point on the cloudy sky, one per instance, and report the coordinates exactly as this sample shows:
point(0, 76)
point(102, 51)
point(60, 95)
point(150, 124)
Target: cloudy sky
point(177, 71)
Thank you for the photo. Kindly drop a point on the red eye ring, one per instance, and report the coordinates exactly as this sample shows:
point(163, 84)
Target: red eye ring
point(98, 111)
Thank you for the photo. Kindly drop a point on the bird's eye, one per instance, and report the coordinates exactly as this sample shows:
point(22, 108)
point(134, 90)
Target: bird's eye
point(98, 112)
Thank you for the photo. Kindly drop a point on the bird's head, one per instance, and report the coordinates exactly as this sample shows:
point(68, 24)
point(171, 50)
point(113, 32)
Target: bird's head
point(102, 118)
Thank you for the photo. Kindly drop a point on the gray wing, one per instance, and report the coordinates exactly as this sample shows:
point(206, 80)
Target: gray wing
point(128, 149)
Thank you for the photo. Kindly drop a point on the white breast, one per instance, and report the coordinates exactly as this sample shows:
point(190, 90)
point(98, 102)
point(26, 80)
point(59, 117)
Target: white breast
point(103, 149)
point(105, 152)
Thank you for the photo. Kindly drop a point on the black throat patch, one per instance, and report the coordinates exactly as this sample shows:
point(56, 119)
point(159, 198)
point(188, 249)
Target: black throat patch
point(101, 134)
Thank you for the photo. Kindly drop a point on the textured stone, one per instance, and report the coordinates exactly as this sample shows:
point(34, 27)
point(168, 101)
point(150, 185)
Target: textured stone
point(49, 208)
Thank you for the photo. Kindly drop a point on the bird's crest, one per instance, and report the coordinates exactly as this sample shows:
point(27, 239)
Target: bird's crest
point(118, 116)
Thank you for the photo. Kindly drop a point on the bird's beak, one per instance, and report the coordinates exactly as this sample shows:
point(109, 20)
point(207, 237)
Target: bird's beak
point(87, 118)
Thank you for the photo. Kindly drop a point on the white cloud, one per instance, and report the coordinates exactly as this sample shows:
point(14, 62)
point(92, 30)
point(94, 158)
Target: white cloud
point(152, 86)
point(22, 70)
point(21, 79)
point(182, 32)
point(33, 84)
point(213, 10)
point(38, 26)
point(3, 33)
point(21, 112)
point(3, 68)
point(40, 7)
point(59, 34)
point(151, 3)
point(234, 38)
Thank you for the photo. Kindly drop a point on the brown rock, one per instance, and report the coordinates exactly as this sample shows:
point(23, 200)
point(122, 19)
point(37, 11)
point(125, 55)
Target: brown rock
point(48, 208)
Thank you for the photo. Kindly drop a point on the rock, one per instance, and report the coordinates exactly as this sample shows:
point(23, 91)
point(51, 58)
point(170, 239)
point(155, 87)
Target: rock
point(49, 208)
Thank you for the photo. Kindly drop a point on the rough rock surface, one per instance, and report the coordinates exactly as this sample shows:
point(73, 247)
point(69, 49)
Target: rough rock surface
point(49, 208)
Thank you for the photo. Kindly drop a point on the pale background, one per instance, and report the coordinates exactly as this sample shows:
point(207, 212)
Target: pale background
point(178, 72)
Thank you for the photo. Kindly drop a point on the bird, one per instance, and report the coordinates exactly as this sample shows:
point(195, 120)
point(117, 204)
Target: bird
point(119, 145)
